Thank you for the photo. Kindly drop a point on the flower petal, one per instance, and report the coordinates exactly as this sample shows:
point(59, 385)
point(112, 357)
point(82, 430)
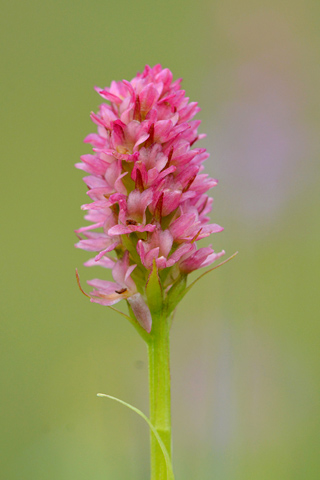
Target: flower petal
point(123, 230)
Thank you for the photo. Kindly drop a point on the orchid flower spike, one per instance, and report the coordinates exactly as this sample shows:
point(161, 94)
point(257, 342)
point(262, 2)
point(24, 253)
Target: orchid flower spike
point(149, 206)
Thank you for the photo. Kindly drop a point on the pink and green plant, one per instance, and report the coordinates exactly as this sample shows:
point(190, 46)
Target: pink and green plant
point(149, 210)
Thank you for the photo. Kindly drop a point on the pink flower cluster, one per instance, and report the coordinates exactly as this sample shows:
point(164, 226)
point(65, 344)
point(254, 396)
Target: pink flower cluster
point(149, 201)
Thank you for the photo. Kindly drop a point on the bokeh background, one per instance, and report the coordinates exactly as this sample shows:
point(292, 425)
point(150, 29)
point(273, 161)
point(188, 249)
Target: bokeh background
point(245, 342)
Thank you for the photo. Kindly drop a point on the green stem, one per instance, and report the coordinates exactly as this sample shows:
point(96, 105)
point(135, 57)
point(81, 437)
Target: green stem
point(159, 388)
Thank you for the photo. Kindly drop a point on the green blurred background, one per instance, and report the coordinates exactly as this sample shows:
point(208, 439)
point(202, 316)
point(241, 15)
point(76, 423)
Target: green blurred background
point(245, 343)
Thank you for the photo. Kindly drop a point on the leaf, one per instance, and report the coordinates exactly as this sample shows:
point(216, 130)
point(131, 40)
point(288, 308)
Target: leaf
point(170, 475)
point(154, 291)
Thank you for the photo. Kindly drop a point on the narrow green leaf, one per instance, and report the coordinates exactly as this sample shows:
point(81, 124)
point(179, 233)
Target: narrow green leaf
point(170, 475)
point(154, 291)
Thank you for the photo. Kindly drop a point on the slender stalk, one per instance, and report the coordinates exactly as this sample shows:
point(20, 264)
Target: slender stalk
point(159, 388)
